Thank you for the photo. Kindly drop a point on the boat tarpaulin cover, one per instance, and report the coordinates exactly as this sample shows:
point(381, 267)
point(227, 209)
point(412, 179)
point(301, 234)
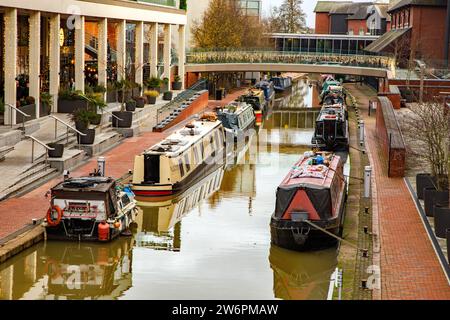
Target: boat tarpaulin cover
point(319, 197)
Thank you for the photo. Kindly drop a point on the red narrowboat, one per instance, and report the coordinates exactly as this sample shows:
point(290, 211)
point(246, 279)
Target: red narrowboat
point(310, 199)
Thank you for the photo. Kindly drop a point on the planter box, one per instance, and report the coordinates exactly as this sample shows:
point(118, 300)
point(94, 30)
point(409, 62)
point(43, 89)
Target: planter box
point(89, 138)
point(44, 109)
point(130, 106)
point(177, 85)
point(140, 102)
point(29, 109)
point(424, 180)
point(433, 197)
point(69, 106)
point(167, 96)
point(58, 152)
point(151, 100)
point(441, 220)
point(127, 119)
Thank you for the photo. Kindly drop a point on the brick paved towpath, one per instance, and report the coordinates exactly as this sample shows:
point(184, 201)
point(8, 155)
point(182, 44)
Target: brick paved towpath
point(15, 213)
point(410, 268)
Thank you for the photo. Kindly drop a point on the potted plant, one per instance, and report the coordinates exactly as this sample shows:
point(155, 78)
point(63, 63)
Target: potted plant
point(168, 95)
point(82, 118)
point(46, 103)
point(130, 105)
point(28, 106)
point(441, 219)
point(177, 84)
point(151, 96)
point(111, 93)
point(58, 150)
point(424, 180)
point(125, 116)
point(140, 101)
point(165, 84)
point(154, 83)
point(70, 100)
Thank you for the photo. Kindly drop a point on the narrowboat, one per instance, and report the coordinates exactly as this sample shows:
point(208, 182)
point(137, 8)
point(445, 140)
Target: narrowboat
point(177, 162)
point(89, 209)
point(268, 88)
point(255, 98)
point(237, 118)
point(281, 84)
point(331, 131)
point(310, 199)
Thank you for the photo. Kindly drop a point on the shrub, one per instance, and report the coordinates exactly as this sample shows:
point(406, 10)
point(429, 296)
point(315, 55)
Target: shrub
point(46, 98)
point(153, 82)
point(177, 78)
point(183, 4)
point(83, 115)
point(151, 93)
point(68, 94)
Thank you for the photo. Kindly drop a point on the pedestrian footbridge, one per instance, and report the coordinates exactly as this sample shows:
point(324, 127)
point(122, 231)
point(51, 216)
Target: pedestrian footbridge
point(276, 61)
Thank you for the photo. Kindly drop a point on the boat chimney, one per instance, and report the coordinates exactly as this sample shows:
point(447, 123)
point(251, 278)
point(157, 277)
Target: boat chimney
point(101, 165)
point(66, 175)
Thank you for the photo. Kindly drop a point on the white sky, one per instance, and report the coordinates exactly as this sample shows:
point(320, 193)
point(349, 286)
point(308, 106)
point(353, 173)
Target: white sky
point(308, 7)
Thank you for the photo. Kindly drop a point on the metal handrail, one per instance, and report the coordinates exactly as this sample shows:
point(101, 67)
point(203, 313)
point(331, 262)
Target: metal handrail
point(109, 112)
point(67, 125)
point(33, 140)
point(20, 111)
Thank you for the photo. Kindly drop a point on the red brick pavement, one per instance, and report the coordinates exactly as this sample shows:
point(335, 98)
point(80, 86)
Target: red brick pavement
point(15, 213)
point(230, 97)
point(410, 268)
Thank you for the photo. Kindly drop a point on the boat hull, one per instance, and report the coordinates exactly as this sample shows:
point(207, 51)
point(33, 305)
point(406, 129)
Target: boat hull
point(300, 236)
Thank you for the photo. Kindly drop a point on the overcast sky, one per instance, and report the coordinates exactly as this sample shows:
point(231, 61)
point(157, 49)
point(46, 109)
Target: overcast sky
point(308, 7)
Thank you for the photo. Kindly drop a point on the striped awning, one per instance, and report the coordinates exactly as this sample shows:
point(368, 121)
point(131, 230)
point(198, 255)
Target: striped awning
point(385, 40)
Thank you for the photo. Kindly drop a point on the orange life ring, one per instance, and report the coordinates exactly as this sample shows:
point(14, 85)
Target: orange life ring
point(50, 221)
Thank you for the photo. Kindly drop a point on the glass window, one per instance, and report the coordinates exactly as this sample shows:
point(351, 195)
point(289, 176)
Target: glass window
point(197, 162)
point(181, 167)
point(188, 162)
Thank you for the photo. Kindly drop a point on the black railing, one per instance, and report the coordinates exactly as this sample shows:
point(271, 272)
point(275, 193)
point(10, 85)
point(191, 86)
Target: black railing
point(176, 103)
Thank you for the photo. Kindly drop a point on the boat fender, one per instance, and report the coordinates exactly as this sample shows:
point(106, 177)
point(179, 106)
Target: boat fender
point(51, 221)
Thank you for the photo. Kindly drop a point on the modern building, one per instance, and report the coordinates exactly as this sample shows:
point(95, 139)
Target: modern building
point(351, 18)
point(46, 45)
point(419, 25)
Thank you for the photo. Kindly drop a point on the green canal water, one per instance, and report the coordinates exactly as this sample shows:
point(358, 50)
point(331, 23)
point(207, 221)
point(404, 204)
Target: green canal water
point(212, 242)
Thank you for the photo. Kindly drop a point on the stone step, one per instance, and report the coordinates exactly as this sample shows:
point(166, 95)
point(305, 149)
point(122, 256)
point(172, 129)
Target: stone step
point(30, 183)
point(4, 151)
point(70, 159)
point(102, 143)
point(9, 137)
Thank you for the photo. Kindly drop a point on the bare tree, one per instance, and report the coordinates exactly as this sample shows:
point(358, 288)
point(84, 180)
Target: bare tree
point(428, 129)
point(289, 17)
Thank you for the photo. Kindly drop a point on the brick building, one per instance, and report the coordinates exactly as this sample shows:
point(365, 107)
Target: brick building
point(419, 25)
point(351, 18)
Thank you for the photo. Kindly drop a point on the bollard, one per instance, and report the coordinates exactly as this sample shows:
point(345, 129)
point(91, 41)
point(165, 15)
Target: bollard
point(367, 181)
point(101, 165)
point(361, 133)
point(366, 210)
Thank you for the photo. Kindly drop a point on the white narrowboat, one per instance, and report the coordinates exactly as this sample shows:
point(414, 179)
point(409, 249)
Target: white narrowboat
point(177, 162)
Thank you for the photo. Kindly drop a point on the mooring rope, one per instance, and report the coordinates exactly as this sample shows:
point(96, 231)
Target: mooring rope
point(332, 234)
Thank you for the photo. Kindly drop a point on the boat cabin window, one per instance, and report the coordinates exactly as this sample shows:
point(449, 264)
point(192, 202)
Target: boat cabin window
point(216, 134)
point(180, 166)
point(125, 200)
point(196, 156)
point(188, 162)
point(319, 128)
point(202, 149)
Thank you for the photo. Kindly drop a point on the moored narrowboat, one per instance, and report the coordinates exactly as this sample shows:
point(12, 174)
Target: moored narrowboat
point(177, 162)
point(237, 118)
point(310, 198)
point(89, 209)
point(331, 130)
point(268, 88)
point(281, 84)
point(256, 98)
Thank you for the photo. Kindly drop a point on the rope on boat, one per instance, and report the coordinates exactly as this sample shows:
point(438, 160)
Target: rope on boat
point(331, 234)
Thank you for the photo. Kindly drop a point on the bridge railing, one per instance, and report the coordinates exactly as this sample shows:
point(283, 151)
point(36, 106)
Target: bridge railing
point(229, 56)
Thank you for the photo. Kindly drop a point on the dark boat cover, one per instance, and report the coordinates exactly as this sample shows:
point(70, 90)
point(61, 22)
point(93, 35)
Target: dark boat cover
point(319, 197)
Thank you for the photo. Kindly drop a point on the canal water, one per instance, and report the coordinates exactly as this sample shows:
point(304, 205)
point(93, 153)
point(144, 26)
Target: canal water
point(212, 242)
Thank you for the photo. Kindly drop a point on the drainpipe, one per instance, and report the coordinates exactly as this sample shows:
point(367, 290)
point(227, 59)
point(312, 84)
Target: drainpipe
point(447, 35)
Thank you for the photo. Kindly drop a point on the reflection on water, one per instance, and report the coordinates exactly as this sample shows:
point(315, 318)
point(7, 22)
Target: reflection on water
point(211, 242)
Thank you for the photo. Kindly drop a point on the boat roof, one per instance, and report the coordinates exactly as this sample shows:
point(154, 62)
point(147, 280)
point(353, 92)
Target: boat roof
point(235, 108)
point(315, 176)
point(182, 139)
point(86, 184)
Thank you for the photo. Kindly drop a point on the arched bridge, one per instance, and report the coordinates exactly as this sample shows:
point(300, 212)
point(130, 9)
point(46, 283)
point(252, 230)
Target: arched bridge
point(276, 61)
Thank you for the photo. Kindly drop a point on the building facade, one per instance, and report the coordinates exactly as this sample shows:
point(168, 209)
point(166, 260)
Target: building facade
point(47, 45)
point(421, 26)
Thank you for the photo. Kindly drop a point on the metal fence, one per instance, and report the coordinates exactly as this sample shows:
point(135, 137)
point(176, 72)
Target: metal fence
point(176, 103)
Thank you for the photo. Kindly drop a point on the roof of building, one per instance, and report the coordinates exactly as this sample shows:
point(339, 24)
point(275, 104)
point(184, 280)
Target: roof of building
point(359, 11)
point(404, 3)
point(327, 6)
point(386, 39)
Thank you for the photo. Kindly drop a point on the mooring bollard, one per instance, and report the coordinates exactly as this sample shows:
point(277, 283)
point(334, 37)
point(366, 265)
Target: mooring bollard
point(361, 133)
point(101, 165)
point(367, 180)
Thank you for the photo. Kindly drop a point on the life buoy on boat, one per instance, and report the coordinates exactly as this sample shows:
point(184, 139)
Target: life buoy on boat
point(54, 222)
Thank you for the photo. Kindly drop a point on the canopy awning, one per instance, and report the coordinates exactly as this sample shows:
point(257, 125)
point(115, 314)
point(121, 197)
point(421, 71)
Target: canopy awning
point(385, 40)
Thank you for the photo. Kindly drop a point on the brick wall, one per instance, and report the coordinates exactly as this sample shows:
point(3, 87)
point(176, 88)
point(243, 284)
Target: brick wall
point(390, 138)
point(322, 23)
point(356, 26)
point(432, 88)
